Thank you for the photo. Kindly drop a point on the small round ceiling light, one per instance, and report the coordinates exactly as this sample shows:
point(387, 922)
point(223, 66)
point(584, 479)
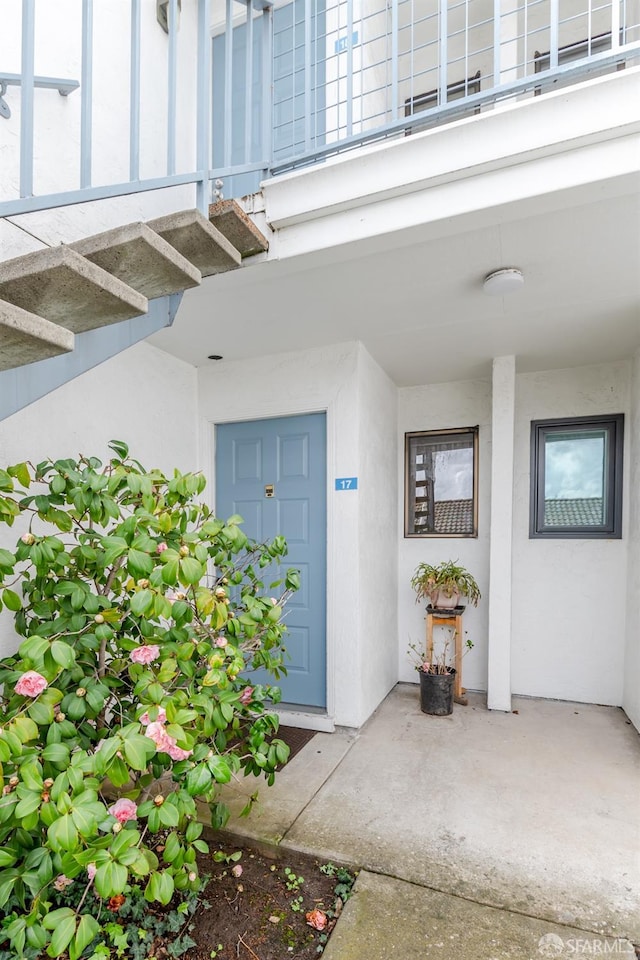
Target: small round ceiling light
point(501, 282)
point(215, 356)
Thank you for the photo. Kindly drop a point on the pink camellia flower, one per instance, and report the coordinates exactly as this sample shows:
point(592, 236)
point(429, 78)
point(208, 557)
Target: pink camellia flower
point(155, 731)
point(31, 684)
point(221, 642)
point(161, 548)
point(176, 752)
point(164, 742)
point(91, 871)
point(145, 719)
point(245, 696)
point(145, 654)
point(124, 810)
point(316, 919)
point(61, 882)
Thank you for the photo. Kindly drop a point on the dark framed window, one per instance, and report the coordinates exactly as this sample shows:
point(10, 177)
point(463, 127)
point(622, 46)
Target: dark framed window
point(459, 90)
point(441, 480)
point(576, 477)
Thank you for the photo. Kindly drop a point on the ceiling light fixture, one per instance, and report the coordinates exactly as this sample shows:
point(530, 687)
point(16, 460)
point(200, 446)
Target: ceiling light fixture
point(500, 282)
point(215, 356)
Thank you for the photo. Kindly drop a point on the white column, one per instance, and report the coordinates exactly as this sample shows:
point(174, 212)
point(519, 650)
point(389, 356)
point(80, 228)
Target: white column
point(502, 435)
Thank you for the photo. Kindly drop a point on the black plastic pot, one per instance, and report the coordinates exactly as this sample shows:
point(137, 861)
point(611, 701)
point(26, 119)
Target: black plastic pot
point(436, 693)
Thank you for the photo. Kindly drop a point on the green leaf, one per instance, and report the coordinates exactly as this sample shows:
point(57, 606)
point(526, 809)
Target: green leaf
point(51, 920)
point(31, 775)
point(36, 936)
point(88, 929)
point(139, 564)
point(114, 547)
point(21, 472)
point(141, 602)
point(169, 816)
point(25, 729)
point(56, 753)
point(34, 647)
point(84, 821)
point(118, 772)
point(63, 654)
point(198, 780)
point(120, 448)
point(137, 753)
point(110, 879)
point(191, 571)
point(170, 571)
point(62, 834)
point(193, 831)
point(62, 936)
point(7, 858)
point(75, 708)
point(172, 848)
point(11, 600)
point(41, 713)
point(7, 885)
point(28, 805)
point(220, 769)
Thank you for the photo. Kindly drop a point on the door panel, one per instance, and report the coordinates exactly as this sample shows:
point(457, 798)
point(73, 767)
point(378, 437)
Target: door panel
point(290, 454)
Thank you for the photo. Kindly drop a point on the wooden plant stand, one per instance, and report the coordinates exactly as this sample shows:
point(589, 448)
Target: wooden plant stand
point(449, 618)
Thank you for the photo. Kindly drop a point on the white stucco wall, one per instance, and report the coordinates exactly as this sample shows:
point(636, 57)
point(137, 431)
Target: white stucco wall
point(378, 530)
point(143, 396)
point(569, 596)
point(437, 407)
point(631, 691)
point(340, 380)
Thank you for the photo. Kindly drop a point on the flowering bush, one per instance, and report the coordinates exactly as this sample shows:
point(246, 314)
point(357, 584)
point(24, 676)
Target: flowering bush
point(130, 696)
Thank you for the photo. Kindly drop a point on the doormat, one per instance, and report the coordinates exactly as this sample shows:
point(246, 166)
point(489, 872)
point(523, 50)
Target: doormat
point(295, 738)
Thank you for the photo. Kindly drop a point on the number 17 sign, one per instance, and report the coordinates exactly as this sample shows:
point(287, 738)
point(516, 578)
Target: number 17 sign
point(346, 483)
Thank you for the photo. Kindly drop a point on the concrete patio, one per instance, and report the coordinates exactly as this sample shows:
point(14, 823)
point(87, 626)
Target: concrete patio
point(535, 813)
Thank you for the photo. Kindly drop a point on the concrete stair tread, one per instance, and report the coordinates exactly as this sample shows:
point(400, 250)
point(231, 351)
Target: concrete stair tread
point(25, 337)
point(63, 287)
point(191, 234)
point(231, 220)
point(139, 257)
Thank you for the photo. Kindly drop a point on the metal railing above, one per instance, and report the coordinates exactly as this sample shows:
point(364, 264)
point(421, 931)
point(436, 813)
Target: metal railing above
point(241, 90)
point(123, 131)
point(351, 72)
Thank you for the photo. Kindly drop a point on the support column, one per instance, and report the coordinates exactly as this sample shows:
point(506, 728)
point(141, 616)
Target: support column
point(502, 436)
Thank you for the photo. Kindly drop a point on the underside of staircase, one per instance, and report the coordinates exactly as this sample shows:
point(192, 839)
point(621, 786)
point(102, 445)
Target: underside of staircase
point(97, 296)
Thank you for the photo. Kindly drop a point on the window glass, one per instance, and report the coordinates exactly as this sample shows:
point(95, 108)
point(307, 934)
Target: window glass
point(440, 480)
point(576, 477)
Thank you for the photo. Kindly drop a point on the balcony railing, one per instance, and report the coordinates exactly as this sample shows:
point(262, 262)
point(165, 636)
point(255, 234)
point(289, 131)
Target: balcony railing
point(244, 89)
point(349, 72)
point(121, 126)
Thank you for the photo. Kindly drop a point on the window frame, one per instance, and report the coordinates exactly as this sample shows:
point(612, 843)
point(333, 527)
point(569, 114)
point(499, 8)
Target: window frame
point(611, 529)
point(451, 432)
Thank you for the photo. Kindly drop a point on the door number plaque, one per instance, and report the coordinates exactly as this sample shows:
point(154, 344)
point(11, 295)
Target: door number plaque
point(269, 490)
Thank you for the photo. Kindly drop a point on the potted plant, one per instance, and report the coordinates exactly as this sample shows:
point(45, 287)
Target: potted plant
point(436, 681)
point(444, 584)
point(437, 678)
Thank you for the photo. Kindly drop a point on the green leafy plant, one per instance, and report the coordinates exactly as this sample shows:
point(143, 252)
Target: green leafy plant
point(141, 617)
point(446, 582)
point(344, 880)
point(292, 882)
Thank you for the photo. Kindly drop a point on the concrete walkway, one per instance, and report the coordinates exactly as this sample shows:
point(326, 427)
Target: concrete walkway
point(484, 835)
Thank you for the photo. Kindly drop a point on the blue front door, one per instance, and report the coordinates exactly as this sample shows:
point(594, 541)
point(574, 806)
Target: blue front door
point(287, 454)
